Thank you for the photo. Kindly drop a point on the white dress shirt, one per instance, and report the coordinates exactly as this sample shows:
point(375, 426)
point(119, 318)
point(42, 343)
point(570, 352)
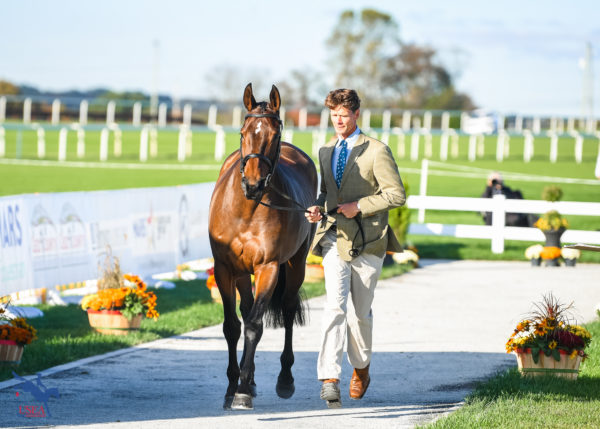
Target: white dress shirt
point(350, 141)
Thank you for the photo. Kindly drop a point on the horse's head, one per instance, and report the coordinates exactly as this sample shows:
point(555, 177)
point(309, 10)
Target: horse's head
point(260, 142)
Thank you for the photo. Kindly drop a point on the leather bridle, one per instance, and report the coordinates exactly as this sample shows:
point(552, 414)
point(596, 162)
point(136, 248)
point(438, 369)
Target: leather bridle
point(276, 140)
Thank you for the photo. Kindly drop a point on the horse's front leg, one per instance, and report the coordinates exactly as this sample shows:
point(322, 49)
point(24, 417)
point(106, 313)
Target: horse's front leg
point(231, 328)
point(244, 287)
point(265, 280)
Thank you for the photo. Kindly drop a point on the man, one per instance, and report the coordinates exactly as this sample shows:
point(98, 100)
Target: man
point(360, 178)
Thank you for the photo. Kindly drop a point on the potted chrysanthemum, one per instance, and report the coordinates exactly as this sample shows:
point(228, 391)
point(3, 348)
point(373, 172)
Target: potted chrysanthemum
point(547, 343)
point(121, 302)
point(15, 334)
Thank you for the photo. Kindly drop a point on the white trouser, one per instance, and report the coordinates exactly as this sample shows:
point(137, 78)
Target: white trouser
point(358, 279)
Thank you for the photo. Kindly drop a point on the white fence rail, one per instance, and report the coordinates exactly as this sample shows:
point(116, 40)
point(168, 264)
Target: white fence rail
point(499, 206)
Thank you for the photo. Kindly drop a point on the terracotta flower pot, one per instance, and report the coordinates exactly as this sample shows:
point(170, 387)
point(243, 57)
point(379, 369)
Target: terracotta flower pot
point(547, 365)
point(112, 322)
point(10, 352)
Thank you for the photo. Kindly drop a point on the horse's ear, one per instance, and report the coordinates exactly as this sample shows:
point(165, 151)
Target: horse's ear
point(249, 100)
point(275, 98)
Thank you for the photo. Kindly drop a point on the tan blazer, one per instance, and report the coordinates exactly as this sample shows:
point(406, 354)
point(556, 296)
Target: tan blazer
point(370, 177)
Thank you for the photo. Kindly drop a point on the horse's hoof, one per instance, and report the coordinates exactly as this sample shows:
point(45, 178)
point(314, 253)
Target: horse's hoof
point(253, 390)
point(285, 391)
point(242, 401)
point(227, 403)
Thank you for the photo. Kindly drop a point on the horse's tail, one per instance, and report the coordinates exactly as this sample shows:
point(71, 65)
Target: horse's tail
point(274, 314)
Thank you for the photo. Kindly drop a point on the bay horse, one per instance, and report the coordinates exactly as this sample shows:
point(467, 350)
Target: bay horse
point(248, 236)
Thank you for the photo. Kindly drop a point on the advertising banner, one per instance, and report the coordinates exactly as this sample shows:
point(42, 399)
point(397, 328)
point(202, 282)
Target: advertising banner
point(58, 238)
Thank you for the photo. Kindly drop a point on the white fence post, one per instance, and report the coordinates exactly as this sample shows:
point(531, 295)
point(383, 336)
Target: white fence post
point(83, 112)
point(414, 146)
point(464, 116)
point(500, 145)
point(578, 148)
point(153, 132)
point(444, 145)
point(501, 121)
point(386, 120)
point(80, 143)
point(570, 125)
point(527, 146)
point(181, 144)
point(318, 140)
point(104, 144)
point(472, 147)
point(519, 124)
point(144, 144)
point(62, 144)
point(453, 143)
point(110, 113)
point(480, 145)
point(553, 147)
point(188, 143)
point(423, 187)
point(406, 120)
point(55, 112)
point(118, 141)
point(187, 115)
point(136, 119)
point(236, 121)
point(537, 125)
point(498, 220)
point(2, 143)
point(220, 144)
point(302, 118)
point(428, 144)
point(427, 117)
point(282, 116)
point(162, 115)
point(324, 119)
point(212, 116)
point(445, 121)
point(401, 146)
point(366, 120)
point(288, 135)
point(2, 109)
point(41, 143)
point(27, 111)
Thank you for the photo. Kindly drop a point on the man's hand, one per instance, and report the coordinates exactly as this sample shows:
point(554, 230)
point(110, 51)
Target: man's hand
point(349, 209)
point(314, 214)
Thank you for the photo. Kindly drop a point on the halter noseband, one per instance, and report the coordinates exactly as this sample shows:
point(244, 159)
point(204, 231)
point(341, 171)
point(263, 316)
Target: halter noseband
point(259, 156)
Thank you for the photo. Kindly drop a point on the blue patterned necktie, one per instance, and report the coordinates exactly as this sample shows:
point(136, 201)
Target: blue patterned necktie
point(341, 163)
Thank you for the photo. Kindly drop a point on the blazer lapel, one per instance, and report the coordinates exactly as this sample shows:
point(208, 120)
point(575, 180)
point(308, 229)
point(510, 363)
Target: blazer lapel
point(326, 162)
point(358, 148)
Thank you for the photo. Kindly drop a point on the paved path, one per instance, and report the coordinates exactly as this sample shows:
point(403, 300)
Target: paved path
point(438, 330)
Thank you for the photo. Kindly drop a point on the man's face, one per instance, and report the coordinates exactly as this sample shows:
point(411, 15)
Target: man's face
point(344, 120)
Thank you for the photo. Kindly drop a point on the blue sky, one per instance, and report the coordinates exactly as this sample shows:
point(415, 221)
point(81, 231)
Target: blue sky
point(515, 56)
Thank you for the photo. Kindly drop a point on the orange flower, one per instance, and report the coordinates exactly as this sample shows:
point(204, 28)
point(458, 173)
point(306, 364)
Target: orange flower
point(211, 282)
point(550, 252)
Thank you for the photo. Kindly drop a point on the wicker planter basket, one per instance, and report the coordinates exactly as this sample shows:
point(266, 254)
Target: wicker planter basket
point(10, 352)
point(547, 365)
point(112, 322)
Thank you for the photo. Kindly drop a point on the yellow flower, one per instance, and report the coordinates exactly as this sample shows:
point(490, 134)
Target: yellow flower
point(573, 354)
point(552, 345)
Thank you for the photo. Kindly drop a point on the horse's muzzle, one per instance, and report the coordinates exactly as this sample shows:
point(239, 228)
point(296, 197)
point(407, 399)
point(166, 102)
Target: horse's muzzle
point(253, 192)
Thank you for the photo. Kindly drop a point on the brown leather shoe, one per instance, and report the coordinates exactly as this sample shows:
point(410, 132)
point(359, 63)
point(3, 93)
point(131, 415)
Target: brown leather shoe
point(359, 382)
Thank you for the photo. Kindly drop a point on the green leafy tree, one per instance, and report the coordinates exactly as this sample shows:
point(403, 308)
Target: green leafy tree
point(7, 88)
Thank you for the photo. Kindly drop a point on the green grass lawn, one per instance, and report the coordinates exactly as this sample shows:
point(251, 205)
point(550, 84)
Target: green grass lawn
point(512, 401)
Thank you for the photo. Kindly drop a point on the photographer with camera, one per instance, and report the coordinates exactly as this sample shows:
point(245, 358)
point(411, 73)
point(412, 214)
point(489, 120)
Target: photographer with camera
point(495, 186)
